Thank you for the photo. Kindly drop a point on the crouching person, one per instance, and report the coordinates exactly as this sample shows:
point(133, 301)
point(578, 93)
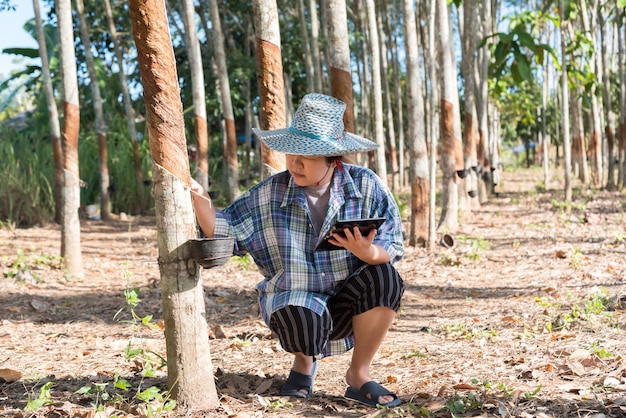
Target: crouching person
point(319, 302)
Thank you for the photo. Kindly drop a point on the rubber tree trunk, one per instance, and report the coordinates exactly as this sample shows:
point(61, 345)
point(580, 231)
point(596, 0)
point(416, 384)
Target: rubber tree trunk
point(190, 374)
point(449, 221)
point(307, 57)
point(230, 151)
point(482, 105)
point(339, 62)
point(70, 226)
point(379, 133)
point(271, 83)
point(567, 150)
point(398, 93)
point(201, 172)
point(621, 172)
point(470, 42)
point(53, 117)
point(609, 115)
point(595, 123)
point(105, 200)
point(430, 45)
point(390, 125)
point(416, 138)
point(315, 46)
point(128, 107)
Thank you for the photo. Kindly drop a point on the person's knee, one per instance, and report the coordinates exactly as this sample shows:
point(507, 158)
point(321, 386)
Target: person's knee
point(384, 279)
point(300, 330)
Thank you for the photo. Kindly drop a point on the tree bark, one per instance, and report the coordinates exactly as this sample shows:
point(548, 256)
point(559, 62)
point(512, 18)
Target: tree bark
point(482, 107)
point(379, 134)
point(190, 374)
point(307, 58)
point(391, 131)
point(70, 227)
point(470, 17)
point(315, 46)
point(271, 83)
point(609, 115)
point(339, 62)
point(418, 176)
point(53, 115)
point(565, 108)
point(105, 200)
point(201, 131)
point(128, 107)
point(449, 221)
point(232, 162)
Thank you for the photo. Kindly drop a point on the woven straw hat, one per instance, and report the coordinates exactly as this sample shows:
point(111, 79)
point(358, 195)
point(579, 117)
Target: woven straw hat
point(316, 129)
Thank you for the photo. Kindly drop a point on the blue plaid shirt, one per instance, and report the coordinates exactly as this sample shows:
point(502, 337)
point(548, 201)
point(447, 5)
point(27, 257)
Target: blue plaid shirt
point(272, 222)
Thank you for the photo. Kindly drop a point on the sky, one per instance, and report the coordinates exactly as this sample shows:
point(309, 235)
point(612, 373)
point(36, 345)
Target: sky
point(12, 34)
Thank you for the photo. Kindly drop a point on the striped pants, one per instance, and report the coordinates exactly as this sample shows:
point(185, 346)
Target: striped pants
point(301, 330)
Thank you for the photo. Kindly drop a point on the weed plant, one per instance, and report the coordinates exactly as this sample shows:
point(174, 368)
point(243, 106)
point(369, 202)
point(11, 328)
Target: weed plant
point(26, 192)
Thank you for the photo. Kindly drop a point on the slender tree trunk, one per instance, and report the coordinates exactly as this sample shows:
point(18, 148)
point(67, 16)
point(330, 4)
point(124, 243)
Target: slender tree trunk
point(545, 138)
point(579, 151)
point(366, 76)
point(398, 110)
point(461, 169)
point(70, 226)
point(339, 62)
point(609, 115)
point(621, 179)
point(105, 201)
point(595, 130)
point(482, 108)
point(565, 108)
point(307, 58)
point(315, 46)
point(271, 83)
point(128, 107)
point(379, 134)
point(53, 116)
point(190, 374)
point(449, 221)
point(201, 131)
point(391, 130)
point(433, 118)
point(418, 177)
point(471, 126)
point(232, 162)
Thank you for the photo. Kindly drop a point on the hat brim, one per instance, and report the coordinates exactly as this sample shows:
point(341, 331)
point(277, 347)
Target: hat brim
point(289, 142)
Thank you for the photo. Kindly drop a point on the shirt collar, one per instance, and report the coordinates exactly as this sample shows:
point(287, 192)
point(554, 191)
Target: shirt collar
point(343, 185)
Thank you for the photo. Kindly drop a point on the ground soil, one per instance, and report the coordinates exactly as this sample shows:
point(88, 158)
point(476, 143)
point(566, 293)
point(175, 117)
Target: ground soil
point(524, 316)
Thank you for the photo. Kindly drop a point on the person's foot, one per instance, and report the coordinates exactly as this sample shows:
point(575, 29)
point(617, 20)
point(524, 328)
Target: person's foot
point(356, 380)
point(301, 378)
point(370, 394)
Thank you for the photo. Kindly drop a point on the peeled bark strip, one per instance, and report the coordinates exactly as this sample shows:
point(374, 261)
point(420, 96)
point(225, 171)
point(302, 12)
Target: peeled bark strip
point(339, 63)
point(341, 87)
point(272, 105)
point(271, 81)
point(449, 219)
point(190, 374)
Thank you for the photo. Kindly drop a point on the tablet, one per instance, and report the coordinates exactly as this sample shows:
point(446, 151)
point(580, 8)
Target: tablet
point(365, 226)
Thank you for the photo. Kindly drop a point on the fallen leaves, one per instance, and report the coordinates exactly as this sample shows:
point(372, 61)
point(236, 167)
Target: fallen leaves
point(10, 375)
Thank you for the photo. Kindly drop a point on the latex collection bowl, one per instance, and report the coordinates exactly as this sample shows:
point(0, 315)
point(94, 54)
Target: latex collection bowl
point(211, 252)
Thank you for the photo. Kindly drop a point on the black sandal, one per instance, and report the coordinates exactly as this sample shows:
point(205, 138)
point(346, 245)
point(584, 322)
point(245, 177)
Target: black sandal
point(297, 381)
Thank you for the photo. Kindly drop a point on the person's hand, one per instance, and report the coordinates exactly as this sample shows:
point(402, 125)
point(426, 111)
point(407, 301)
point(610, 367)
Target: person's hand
point(197, 188)
point(353, 241)
point(205, 212)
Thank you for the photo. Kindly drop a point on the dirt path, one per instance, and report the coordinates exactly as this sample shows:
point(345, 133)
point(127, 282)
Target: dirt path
point(524, 317)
